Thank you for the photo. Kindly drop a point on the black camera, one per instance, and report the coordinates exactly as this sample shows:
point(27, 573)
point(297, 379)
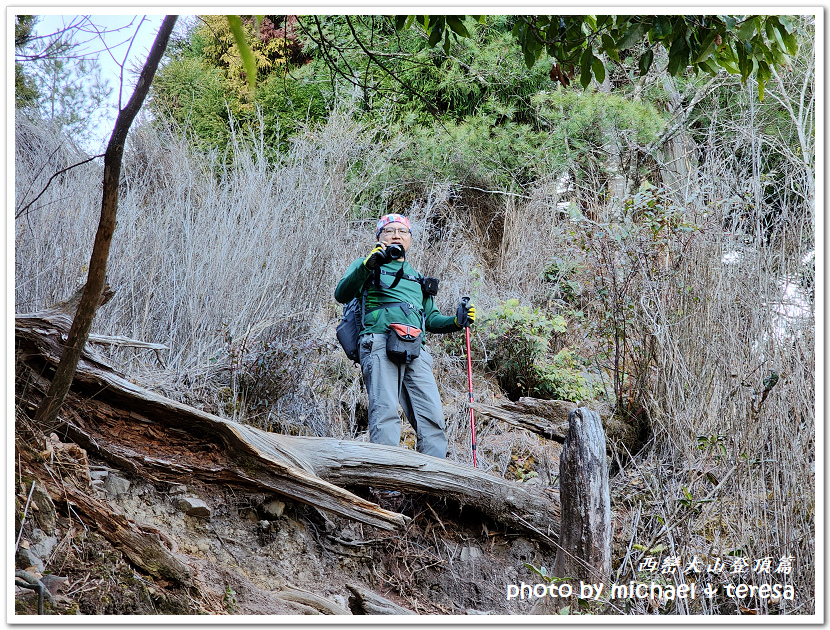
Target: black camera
point(429, 286)
point(394, 252)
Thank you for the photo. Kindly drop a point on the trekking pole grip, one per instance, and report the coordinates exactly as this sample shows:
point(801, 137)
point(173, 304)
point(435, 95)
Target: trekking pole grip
point(463, 320)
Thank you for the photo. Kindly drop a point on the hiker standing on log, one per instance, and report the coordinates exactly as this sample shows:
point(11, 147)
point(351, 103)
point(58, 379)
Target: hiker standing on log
point(398, 306)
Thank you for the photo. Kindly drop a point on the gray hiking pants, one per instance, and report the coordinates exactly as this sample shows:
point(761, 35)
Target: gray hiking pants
point(411, 385)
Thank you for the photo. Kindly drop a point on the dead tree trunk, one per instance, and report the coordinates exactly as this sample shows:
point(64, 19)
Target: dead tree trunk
point(585, 529)
point(347, 463)
point(161, 439)
point(548, 418)
point(96, 278)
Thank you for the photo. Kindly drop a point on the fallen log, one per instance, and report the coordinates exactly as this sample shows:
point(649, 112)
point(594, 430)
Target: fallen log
point(548, 418)
point(162, 439)
point(117, 412)
point(117, 340)
point(347, 463)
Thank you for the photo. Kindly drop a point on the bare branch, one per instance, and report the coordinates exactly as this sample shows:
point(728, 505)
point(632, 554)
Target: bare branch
point(56, 45)
point(25, 208)
point(330, 62)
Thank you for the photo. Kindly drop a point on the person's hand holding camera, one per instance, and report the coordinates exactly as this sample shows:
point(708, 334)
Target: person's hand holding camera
point(380, 256)
point(376, 257)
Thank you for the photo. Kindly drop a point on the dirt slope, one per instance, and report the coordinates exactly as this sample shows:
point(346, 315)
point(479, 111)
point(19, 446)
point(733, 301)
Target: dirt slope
point(256, 553)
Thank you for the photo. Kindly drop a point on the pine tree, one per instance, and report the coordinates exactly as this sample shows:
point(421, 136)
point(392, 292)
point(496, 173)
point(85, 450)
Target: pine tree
point(72, 94)
point(25, 88)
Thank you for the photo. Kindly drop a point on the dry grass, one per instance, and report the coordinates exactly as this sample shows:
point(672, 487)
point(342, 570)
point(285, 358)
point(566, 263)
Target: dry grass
point(203, 257)
point(227, 266)
point(730, 471)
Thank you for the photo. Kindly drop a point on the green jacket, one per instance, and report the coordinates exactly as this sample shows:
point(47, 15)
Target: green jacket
point(407, 291)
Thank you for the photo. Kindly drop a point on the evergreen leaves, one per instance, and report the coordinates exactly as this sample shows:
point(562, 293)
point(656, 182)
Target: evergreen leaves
point(474, 108)
point(745, 45)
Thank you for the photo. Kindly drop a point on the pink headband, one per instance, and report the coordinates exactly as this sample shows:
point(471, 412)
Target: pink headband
point(391, 218)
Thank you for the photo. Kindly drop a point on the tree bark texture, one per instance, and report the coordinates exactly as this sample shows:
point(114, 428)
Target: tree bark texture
point(585, 531)
point(79, 332)
point(163, 440)
point(548, 418)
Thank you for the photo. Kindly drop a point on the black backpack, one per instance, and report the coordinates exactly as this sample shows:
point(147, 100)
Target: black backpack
point(348, 330)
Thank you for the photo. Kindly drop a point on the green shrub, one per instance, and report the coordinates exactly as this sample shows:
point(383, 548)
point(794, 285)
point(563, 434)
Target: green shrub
point(559, 274)
point(194, 95)
point(518, 348)
point(287, 105)
point(562, 379)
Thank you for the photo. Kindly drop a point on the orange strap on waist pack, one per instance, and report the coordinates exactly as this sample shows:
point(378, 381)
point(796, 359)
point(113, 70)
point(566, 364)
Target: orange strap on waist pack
point(405, 331)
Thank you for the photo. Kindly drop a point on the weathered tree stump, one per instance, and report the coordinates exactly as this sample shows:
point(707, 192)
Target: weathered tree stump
point(585, 529)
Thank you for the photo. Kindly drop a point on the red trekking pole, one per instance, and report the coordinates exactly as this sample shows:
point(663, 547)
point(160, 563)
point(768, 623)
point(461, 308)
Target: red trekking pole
point(465, 301)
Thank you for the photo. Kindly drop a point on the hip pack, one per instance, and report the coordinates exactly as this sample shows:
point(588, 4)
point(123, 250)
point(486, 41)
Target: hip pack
point(348, 330)
point(403, 344)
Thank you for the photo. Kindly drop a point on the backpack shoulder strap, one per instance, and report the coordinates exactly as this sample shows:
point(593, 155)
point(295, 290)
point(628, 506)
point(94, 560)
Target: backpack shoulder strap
point(363, 291)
